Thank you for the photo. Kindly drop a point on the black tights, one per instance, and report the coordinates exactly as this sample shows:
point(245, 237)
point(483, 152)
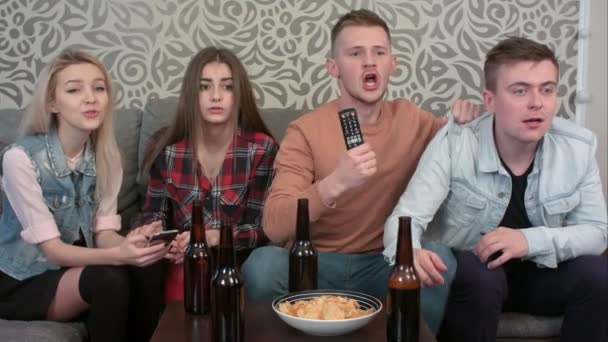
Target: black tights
point(126, 302)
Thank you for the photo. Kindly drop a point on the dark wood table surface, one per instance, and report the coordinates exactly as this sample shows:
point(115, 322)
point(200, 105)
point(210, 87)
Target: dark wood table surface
point(261, 324)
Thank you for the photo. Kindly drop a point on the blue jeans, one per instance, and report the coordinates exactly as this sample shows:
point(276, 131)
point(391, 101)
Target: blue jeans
point(266, 274)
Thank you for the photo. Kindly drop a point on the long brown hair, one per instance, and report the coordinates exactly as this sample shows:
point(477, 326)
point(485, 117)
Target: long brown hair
point(37, 117)
point(188, 121)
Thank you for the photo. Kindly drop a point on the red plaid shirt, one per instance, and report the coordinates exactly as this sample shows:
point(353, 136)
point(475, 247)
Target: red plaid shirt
point(238, 192)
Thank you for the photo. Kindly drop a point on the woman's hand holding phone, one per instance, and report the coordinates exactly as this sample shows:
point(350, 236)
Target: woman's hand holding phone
point(177, 247)
point(164, 237)
point(131, 252)
point(134, 250)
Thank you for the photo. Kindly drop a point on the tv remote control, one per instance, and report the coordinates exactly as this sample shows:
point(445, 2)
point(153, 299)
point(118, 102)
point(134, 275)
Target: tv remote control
point(350, 128)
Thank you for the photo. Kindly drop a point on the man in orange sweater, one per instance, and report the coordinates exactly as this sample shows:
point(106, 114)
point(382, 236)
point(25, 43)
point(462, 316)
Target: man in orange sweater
point(350, 193)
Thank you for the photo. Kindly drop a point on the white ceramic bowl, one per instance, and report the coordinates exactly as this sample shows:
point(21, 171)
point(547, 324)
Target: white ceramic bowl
point(328, 327)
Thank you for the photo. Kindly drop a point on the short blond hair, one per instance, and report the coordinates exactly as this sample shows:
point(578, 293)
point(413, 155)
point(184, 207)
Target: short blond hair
point(360, 17)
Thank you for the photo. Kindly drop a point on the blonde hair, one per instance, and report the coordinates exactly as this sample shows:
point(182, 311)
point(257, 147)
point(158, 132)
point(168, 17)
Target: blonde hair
point(38, 119)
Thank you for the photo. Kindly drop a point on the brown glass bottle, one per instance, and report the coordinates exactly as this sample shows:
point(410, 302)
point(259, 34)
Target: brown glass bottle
point(167, 217)
point(197, 266)
point(227, 294)
point(302, 256)
point(403, 300)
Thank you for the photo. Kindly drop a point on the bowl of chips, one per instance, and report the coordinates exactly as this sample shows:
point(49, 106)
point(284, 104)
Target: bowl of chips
point(327, 312)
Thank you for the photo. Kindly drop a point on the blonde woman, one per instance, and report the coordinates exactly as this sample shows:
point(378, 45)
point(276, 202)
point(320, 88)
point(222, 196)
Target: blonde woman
point(60, 253)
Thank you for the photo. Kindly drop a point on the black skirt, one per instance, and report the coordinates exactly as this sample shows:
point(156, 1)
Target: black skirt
point(28, 299)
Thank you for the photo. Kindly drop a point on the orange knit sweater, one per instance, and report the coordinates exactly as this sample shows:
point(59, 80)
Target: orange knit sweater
point(310, 151)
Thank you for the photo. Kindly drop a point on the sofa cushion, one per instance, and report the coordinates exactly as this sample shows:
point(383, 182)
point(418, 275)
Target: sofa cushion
point(157, 113)
point(127, 124)
point(41, 331)
point(277, 120)
point(9, 124)
point(520, 325)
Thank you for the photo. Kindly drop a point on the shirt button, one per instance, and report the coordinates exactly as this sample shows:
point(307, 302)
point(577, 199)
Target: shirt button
point(501, 195)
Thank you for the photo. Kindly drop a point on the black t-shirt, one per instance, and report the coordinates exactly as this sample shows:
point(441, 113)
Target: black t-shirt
point(516, 215)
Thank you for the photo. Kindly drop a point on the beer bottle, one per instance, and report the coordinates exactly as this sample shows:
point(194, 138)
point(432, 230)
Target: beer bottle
point(403, 300)
point(227, 293)
point(302, 256)
point(167, 217)
point(197, 266)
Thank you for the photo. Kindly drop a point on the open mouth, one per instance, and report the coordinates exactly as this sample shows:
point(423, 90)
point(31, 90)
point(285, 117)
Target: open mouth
point(370, 80)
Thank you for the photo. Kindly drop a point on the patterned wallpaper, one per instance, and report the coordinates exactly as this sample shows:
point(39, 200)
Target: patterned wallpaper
point(440, 44)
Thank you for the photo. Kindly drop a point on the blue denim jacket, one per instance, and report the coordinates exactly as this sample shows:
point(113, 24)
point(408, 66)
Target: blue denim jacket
point(69, 195)
point(460, 189)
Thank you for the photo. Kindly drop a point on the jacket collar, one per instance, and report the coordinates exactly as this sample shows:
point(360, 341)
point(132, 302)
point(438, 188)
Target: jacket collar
point(57, 157)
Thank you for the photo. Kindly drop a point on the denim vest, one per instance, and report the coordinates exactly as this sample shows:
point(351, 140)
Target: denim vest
point(69, 195)
point(461, 190)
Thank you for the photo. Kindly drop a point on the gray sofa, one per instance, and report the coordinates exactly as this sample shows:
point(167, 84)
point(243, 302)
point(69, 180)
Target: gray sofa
point(133, 129)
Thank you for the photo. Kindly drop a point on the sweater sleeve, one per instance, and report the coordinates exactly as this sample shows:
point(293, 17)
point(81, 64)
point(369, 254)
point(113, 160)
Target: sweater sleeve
point(294, 179)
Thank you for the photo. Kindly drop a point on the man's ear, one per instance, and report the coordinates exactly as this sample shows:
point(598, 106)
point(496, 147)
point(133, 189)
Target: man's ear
point(332, 68)
point(488, 100)
point(393, 63)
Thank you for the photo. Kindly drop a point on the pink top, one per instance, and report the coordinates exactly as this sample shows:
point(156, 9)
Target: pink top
point(25, 196)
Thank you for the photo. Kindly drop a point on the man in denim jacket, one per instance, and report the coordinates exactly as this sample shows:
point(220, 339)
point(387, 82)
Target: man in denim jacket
point(517, 195)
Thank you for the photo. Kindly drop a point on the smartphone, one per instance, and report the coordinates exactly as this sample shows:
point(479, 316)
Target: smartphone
point(165, 236)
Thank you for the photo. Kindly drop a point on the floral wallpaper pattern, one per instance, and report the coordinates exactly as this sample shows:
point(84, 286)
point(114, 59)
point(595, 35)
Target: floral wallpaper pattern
point(440, 44)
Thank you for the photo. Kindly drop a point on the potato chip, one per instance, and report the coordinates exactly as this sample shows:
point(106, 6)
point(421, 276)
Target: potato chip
point(325, 308)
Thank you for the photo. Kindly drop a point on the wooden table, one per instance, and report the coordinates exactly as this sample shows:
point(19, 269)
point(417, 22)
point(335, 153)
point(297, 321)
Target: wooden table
point(261, 324)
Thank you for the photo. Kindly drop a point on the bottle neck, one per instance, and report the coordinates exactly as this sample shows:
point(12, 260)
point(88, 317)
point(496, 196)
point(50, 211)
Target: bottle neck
point(197, 232)
point(226, 256)
point(404, 243)
point(302, 221)
point(168, 217)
